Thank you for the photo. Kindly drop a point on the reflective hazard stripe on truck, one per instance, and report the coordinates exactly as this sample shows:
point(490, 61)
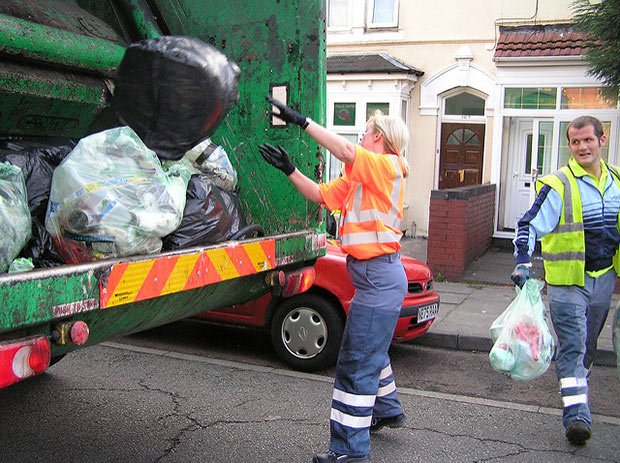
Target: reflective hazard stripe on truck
point(136, 281)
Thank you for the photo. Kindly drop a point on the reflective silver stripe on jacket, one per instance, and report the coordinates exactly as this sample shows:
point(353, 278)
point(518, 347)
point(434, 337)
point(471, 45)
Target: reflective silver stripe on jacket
point(569, 224)
point(370, 237)
point(568, 197)
point(390, 219)
point(557, 256)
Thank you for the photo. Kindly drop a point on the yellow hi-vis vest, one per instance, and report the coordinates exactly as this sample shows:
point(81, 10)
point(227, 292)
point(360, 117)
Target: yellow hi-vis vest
point(564, 249)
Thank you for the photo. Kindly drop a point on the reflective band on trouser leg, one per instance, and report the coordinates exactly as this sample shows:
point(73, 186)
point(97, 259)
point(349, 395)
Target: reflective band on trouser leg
point(566, 383)
point(355, 400)
point(570, 400)
point(575, 400)
point(574, 391)
point(387, 404)
point(357, 422)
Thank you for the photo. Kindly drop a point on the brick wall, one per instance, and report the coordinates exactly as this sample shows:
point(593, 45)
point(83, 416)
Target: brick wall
point(460, 228)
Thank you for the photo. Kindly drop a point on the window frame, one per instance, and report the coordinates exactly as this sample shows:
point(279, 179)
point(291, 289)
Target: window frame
point(349, 19)
point(370, 9)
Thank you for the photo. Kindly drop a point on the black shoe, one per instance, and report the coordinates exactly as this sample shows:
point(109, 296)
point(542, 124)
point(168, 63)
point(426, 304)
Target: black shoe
point(397, 421)
point(578, 432)
point(331, 457)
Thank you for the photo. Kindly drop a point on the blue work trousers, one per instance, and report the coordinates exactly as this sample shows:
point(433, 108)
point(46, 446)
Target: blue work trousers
point(364, 383)
point(578, 315)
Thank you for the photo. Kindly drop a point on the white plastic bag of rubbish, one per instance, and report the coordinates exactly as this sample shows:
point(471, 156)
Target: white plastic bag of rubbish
point(15, 221)
point(213, 162)
point(523, 346)
point(110, 197)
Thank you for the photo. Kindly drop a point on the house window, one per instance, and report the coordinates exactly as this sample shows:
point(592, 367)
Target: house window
point(371, 108)
point(464, 104)
point(382, 13)
point(338, 13)
point(344, 114)
point(530, 98)
point(586, 98)
point(463, 137)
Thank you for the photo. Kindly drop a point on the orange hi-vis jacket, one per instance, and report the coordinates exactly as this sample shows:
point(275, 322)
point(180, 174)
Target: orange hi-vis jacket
point(370, 197)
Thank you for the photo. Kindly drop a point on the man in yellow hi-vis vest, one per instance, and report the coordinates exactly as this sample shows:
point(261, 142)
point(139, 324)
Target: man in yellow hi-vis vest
point(575, 215)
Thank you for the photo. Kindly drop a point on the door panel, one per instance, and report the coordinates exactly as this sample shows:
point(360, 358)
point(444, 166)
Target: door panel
point(530, 151)
point(461, 155)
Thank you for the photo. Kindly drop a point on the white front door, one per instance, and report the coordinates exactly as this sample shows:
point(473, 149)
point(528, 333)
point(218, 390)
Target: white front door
point(526, 161)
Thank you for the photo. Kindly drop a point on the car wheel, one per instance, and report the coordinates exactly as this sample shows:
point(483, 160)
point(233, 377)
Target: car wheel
point(306, 332)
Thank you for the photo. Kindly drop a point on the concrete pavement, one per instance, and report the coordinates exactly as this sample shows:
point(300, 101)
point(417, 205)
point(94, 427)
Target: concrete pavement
point(469, 307)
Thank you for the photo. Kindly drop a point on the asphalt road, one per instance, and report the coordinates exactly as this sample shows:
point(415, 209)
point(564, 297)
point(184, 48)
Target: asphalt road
point(149, 398)
point(450, 371)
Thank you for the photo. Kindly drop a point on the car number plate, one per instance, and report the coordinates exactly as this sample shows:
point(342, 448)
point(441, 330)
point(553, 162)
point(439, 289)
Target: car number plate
point(427, 312)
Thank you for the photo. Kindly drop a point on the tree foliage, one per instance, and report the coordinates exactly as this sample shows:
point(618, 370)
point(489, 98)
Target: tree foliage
point(600, 21)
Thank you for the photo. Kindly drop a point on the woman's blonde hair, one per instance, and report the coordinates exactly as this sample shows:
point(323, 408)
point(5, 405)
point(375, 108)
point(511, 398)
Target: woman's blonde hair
point(395, 134)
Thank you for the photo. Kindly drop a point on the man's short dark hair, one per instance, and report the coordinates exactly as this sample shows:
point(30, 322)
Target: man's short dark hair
point(585, 121)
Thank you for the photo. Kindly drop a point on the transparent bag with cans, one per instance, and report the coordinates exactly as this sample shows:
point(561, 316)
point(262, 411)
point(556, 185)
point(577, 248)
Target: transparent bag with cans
point(111, 197)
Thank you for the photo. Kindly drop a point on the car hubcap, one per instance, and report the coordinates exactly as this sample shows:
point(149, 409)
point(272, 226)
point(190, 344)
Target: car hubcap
point(304, 333)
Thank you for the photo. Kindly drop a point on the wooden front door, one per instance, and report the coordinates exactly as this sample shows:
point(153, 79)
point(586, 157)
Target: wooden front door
point(462, 151)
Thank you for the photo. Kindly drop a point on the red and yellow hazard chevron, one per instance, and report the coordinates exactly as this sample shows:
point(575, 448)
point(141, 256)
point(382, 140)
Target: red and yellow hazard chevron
point(136, 281)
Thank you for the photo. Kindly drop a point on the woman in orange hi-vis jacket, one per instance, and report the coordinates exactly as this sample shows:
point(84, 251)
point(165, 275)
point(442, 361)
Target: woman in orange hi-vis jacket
point(370, 196)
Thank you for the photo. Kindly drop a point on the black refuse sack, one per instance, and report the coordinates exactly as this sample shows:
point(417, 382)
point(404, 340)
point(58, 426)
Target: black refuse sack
point(174, 91)
point(41, 248)
point(211, 215)
point(37, 160)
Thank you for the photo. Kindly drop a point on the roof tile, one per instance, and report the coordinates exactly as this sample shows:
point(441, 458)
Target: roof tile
point(368, 63)
point(540, 40)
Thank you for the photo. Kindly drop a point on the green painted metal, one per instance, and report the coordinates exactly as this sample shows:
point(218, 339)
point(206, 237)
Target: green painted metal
point(34, 301)
point(274, 43)
point(31, 41)
point(143, 18)
point(48, 103)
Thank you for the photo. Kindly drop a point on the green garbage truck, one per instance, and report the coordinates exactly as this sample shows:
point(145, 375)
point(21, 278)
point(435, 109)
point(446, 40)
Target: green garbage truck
point(58, 62)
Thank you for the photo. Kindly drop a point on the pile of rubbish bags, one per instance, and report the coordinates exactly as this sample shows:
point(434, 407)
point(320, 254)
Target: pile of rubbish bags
point(156, 182)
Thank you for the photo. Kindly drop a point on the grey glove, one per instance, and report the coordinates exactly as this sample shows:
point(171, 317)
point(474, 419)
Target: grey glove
point(277, 157)
point(288, 114)
point(520, 274)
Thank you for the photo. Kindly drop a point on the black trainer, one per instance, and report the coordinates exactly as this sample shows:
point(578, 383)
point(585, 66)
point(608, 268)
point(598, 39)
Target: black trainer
point(578, 432)
point(397, 421)
point(331, 457)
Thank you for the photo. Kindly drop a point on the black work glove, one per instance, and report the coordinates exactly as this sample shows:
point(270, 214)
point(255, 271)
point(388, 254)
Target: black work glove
point(277, 157)
point(520, 274)
point(288, 114)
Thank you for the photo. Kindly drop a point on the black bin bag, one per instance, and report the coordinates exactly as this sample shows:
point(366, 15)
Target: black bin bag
point(174, 91)
point(37, 160)
point(211, 215)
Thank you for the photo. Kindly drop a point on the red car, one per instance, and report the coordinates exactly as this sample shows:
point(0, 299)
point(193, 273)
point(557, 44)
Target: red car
point(306, 329)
